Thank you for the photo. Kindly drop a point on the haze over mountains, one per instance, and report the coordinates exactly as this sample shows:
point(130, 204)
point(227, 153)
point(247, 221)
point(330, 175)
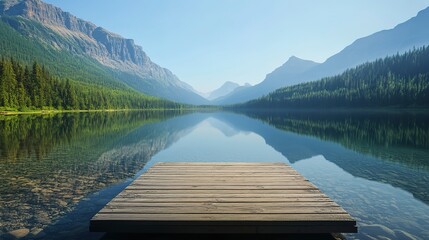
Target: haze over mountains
point(224, 90)
point(413, 33)
point(118, 58)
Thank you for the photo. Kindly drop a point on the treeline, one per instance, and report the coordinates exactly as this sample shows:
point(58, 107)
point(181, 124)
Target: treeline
point(32, 87)
point(396, 81)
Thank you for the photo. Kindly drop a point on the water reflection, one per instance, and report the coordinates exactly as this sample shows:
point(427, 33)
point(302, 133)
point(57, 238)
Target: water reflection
point(401, 137)
point(50, 163)
point(381, 210)
point(403, 164)
point(376, 165)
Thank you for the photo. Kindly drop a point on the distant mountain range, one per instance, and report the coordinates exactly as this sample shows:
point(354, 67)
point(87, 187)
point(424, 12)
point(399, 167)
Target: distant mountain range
point(224, 90)
point(401, 80)
point(413, 33)
point(82, 51)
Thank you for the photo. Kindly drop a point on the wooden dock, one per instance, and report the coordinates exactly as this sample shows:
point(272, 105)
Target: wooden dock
point(222, 198)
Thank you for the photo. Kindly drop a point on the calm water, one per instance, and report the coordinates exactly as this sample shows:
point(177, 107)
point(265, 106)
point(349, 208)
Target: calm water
point(57, 171)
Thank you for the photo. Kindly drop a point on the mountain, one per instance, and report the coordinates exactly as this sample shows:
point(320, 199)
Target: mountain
point(395, 81)
point(101, 57)
point(292, 69)
point(411, 34)
point(225, 89)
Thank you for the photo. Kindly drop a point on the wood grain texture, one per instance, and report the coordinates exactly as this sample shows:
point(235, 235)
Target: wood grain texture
point(183, 197)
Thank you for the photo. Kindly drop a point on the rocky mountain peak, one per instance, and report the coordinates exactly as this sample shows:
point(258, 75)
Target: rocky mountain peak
point(296, 62)
point(47, 14)
point(229, 84)
point(7, 4)
point(294, 58)
point(226, 88)
point(108, 48)
point(295, 65)
point(65, 32)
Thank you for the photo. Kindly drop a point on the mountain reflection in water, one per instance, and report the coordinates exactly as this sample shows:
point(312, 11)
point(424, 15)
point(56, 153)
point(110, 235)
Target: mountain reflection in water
point(58, 170)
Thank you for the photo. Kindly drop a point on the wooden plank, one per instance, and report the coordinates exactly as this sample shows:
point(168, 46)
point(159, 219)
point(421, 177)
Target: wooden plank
point(220, 177)
point(222, 182)
point(222, 198)
point(222, 210)
point(136, 189)
point(219, 164)
point(202, 171)
point(302, 198)
point(250, 187)
point(215, 196)
point(255, 175)
point(227, 217)
point(221, 204)
point(154, 183)
point(209, 165)
point(224, 168)
point(223, 179)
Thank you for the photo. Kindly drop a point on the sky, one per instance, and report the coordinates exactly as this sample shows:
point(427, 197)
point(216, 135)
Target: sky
point(208, 42)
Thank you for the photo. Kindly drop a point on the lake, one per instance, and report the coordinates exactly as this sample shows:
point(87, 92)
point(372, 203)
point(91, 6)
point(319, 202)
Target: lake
point(57, 171)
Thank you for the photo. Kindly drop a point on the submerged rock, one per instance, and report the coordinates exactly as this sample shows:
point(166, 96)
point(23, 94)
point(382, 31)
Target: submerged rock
point(20, 233)
point(36, 231)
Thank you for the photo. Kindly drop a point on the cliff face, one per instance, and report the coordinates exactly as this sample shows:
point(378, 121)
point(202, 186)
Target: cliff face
point(47, 14)
point(82, 36)
point(78, 36)
point(91, 39)
point(120, 48)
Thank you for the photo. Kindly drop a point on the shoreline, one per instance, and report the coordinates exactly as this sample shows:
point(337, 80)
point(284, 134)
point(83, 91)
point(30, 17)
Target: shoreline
point(43, 112)
point(217, 108)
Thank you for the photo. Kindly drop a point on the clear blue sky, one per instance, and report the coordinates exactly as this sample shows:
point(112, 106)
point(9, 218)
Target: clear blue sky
point(208, 42)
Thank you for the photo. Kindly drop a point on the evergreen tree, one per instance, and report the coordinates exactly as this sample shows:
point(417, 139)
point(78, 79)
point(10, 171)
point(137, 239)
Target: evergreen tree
point(69, 96)
point(22, 87)
point(36, 93)
point(8, 85)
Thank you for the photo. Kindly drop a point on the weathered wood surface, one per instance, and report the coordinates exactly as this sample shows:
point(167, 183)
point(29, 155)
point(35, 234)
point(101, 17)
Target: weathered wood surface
point(222, 198)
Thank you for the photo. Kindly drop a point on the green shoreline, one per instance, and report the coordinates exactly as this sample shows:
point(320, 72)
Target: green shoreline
point(214, 108)
point(12, 113)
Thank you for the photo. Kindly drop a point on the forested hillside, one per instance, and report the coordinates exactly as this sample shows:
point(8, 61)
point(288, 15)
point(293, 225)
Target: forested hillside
point(33, 87)
point(397, 81)
point(74, 48)
point(405, 36)
point(61, 63)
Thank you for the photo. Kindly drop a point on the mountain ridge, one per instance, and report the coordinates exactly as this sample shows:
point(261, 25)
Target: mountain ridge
point(226, 88)
point(291, 68)
point(111, 50)
point(405, 36)
point(401, 80)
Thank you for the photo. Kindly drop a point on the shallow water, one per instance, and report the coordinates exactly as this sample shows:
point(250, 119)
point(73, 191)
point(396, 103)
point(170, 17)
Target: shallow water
point(58, 171)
